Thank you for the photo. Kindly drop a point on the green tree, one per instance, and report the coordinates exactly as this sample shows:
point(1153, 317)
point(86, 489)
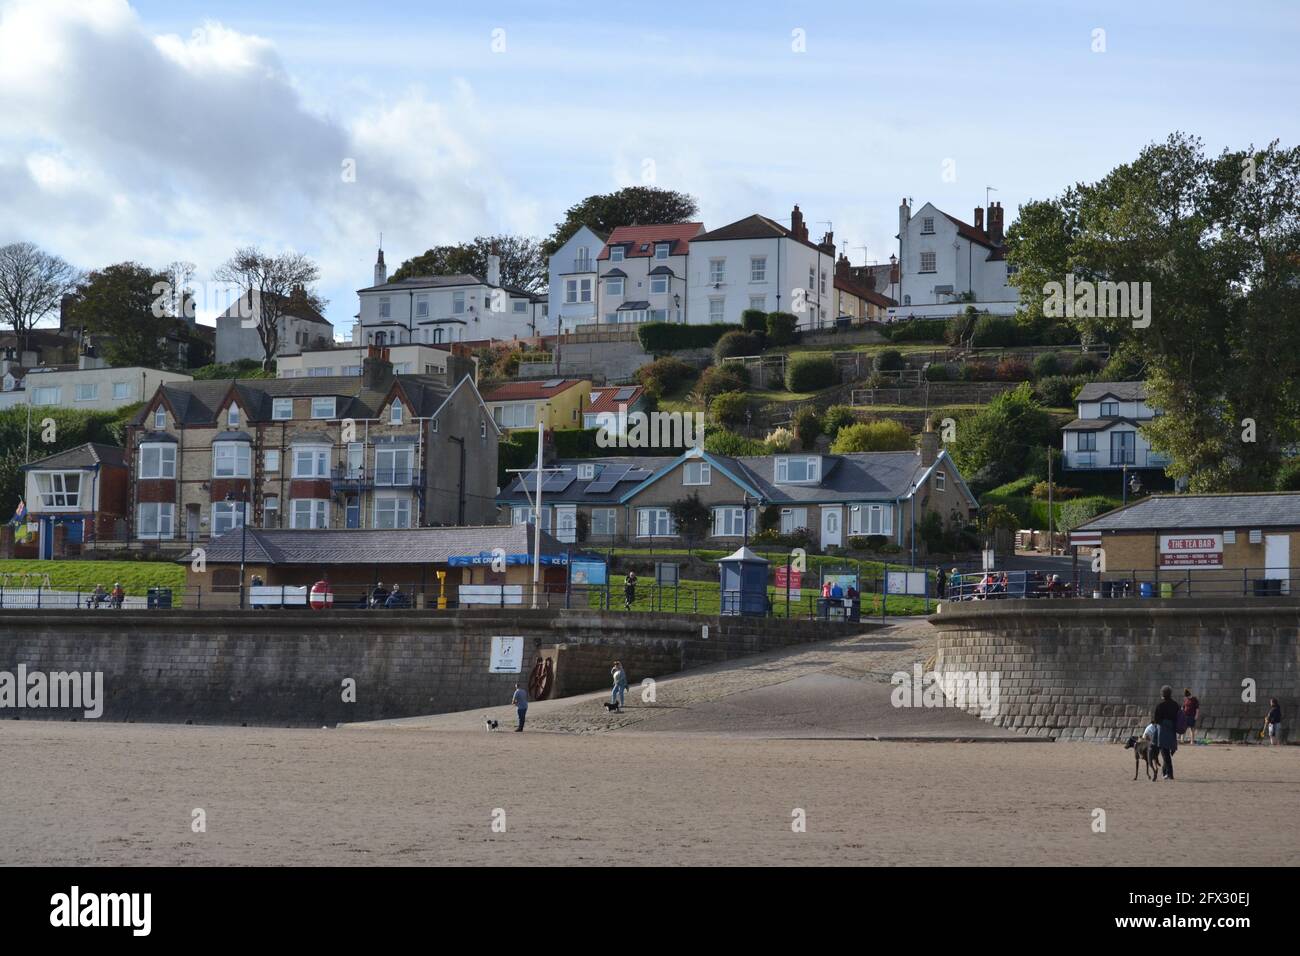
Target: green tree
point(120, 309)
point(630, 206)
point(807, 426)
point(1002, 432)
point(523, 263)
point(693, 519)
point(885, 435)
point(1218, 239)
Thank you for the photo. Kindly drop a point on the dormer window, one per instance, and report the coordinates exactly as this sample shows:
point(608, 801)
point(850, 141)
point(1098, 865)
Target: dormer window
point(586, 472)
point(159, 418)
point(232, 416)
point(661, 250)
point(615, 253)
point(395, 412)
point(322, 407)
point(799, 470)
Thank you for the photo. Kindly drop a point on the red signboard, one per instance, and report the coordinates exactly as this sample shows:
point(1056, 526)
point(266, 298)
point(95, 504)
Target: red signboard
point(1191, 550)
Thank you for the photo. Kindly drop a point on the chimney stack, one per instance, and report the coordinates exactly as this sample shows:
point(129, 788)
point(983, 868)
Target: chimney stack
point(842, 266)
point(979, 218)
point(494, 271)
point(376, 369)
point(995, 223)
point(929, 445)
point(381, 270)
point(797, 227)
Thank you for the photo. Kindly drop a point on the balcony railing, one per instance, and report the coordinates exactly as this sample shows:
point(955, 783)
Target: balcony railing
point(1106, 458)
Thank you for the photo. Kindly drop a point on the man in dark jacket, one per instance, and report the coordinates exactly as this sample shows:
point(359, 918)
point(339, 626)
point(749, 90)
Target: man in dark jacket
point(1165, 718)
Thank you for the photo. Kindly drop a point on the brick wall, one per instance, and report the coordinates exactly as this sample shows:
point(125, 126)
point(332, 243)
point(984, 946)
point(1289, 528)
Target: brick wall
point(1094, 670)
point(288, 669)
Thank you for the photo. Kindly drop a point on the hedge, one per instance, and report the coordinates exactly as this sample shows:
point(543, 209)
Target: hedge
point(658, 337)
point(753, 320)
point(728, 408)
point(782, 328)
point(918, 330)
point(732, 377)
point(809, 371)
point(737, 343)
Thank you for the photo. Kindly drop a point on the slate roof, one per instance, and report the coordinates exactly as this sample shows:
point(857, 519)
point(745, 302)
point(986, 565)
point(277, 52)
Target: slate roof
point(752, 227)
point(1191, 512)
point(1099, 424)
point(375, 545)
point(198, 403)
point(415, 283)
point(83, 456)
point(577, 490)
point(1124, 391)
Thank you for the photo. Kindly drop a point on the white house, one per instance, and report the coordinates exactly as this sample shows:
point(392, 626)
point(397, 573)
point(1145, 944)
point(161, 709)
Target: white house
point(757, 263)
point(300, 327)
point(1105, 436)
point(641, 273)
point(434, 310)
point(411, 359)
point(946, 264)
point(91, 385)
point(573, 281)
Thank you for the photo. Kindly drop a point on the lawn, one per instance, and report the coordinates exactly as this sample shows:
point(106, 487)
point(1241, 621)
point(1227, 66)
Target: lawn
point(136, 576)
point(704, 597)
point(815, 562)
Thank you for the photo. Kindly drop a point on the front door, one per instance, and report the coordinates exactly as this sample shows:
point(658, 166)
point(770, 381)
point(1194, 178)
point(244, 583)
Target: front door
point(1277, 559)
point(832, 527)
point(566, 523)
point(352, 511)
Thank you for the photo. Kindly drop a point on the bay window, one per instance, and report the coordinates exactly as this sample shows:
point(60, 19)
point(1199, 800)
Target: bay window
point(230, 459)
point(158, 461)
point(311, 461)
point(156, 520)
point(58, 489)
point(309, 513)
point(654, 523)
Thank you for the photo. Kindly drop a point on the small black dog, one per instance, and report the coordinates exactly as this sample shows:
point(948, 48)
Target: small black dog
point(489, 724)
point(1144, 748)
point(610, 707)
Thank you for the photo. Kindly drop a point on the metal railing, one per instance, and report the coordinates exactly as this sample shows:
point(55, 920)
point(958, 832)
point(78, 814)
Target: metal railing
point(1153, 583)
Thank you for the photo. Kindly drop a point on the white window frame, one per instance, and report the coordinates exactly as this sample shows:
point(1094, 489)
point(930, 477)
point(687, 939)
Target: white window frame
point(662, 250)
point(717, 308)
point(166, 465)
point(333, 407)
point(940, 481)
point(717, 271)
point(226, 515)
point(512, 411)
point(792, 519)
point(422, 306)
point(702, 473)
point(271, 511)
point(871, 519)
point(927, 225)
point(616, 253)
point(232, 415)
point(41, 395)
point(231, 459)
point(812, 466)
point(319, 461)
point(458, 303)
point(355, 462)
point(728, 521)
point(395, 412)
point(281, 409)
point(604, 522)
point(392, 511)
point(586, 472)
point(614, 286)
point(389, 475)
point(758, 268)
point(164, 520)
point(931, 258)
point(385, 307)
point(52, 488)
point(654, 523)
point(271, 459)
point(121, 391)
point(659, 285)
point(82, 395)
point(316, 513)
point(758, 303)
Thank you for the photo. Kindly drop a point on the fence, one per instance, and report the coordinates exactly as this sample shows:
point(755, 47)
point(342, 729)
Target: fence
point(1166, 583)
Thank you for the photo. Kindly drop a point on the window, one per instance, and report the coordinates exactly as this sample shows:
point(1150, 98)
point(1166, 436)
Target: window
point(658, 285)
point(758, 268)
point(792, 519)
point(614, 286)
point(230, 459)
point(515, 415)
point(1123, 448)
point(385, 307)
point(715, 309)
point(232, 416)
point(393, 465)
point(661, 250)
point(356, 466)
point(871, 519)
point(522, 514)
point(1087, 441)
point(927, 226)
point(566, 523)
point(321, 371)
point(271, 460)
point(940, 481)
point(422, 306)
point(310, 513)
point(156, 520)
point(121, 391)
point(311, 461)
point(395, 412)
point(654, 522)
point(728, 522)
point(791, 470)
point(87, 393)
point(823, 282)
point(717, 271)
point(604, 521)
point(59, 489)
point(758, 302)
point(458, 303)
point(520, 306)
point(615, 253)
point(350, 370)
point(586, 472)
point(158, 461)
point(392, 512)
point(281, 409)
point(271, 512)
point(927, 262)
point(696, 473)
point(322, 407)
point(1110, 409)
point(49, 395)
point(812, 278)
point(228, 515)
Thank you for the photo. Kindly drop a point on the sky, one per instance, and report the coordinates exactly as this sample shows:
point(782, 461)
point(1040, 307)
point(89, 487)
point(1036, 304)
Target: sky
point(183, 129)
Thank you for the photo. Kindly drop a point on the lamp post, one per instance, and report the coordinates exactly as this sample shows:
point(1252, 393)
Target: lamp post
point(677, 305)
point(243, 538)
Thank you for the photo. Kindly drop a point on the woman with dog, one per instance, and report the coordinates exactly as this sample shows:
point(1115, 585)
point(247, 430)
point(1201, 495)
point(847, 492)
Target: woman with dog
point(1165, 718)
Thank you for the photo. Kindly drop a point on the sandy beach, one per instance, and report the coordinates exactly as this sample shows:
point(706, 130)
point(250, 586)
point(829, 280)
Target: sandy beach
point(702, 777)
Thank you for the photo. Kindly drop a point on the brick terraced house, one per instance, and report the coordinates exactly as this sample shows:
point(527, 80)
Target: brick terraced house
point(378, 450)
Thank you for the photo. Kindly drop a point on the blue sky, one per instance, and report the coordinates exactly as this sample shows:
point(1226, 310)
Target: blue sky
point(133, 137)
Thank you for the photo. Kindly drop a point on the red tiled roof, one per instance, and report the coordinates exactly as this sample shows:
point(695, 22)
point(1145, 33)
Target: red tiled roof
point(522, 391)
point(633, 238)
point(967, 231)
point(862, 292)
point(602, 399)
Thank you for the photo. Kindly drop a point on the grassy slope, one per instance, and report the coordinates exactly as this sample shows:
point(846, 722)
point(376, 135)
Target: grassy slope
point(136, 576)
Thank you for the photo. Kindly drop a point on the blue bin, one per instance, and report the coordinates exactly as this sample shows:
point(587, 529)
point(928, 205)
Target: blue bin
point(1146, 589)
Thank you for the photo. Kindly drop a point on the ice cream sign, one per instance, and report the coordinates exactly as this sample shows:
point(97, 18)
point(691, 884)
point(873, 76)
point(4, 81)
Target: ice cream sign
point(1191, 550)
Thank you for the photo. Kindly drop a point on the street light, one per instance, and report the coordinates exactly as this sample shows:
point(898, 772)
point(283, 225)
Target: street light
point(243, 538)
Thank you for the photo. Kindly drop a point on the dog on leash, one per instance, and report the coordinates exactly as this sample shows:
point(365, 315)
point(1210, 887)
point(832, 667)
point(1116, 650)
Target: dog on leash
point(489, 724)
point(1144, 748)
point(610, 707)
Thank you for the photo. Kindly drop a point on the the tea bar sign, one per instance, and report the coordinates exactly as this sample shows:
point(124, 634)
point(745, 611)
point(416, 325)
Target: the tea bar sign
point(1191, 550)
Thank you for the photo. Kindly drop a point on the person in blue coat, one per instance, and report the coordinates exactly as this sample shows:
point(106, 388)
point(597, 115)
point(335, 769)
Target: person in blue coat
point(1165, 718)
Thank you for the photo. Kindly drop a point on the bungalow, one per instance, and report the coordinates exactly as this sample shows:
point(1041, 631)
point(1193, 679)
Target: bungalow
point(557, 403)
point(832, 497)
point(609, 405)
point(81, 493)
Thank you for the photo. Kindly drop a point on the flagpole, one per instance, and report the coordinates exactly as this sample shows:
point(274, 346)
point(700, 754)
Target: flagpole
point(537, 522)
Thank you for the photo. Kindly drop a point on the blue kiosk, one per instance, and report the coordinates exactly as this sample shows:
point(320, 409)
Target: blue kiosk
point(744, 583)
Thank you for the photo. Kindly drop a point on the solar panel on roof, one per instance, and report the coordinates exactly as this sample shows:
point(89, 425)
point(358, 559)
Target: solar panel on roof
point(636, 474)
point(601, 484)
point(552, 383)
point(624, 394)
point(558, 482)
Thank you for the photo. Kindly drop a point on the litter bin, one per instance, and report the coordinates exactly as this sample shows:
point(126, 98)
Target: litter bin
point(1268, 587)
point(1166, 589)
point(159, 599)
point(1146, 589)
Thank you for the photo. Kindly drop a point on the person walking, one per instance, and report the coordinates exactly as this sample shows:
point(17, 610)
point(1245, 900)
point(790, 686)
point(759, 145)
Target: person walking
point(1273, 722)
point(941, 584)
point(629, 590)
point(1165, 717)
point(619, 693)
point(1191, 709)
point(520, 700)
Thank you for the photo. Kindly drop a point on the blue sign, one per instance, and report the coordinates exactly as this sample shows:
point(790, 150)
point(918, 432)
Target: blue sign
point(587, 572)
point(487, 557)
